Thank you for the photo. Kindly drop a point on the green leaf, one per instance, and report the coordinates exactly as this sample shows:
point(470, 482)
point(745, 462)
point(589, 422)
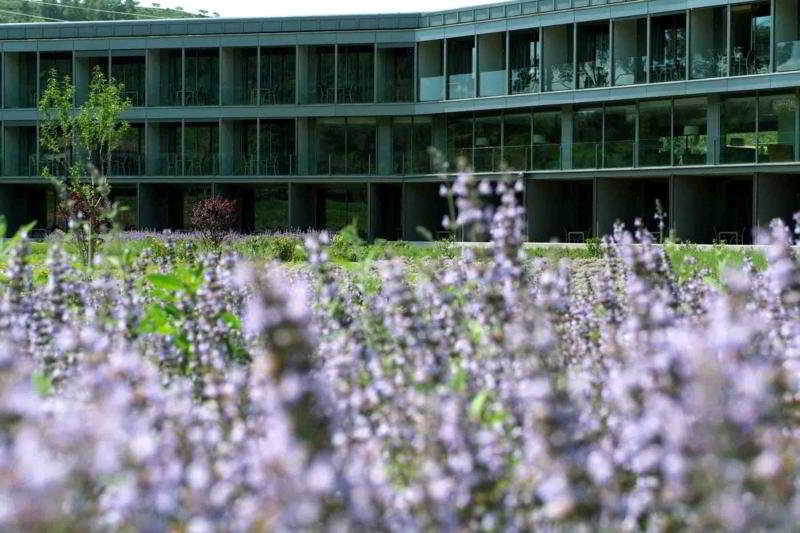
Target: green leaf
point(167, 282)
point(231, 320)
point(42, 383)
point(477, 404)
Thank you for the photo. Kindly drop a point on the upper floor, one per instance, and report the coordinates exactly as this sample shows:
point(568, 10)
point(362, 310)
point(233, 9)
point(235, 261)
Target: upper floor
point(519, 54)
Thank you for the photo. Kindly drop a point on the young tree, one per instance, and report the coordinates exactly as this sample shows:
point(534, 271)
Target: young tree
point(79, 145)
point(214, 217)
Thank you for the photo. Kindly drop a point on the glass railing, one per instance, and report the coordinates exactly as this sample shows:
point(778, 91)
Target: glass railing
point(517, 157)
point(322, 94)
point(29, 165)
point(787, 56)
point(201, 164)
point(618, 154)
point(169, 164)
point(356, 94)
point(629, 70)
point(397, 91)
point(362, 163)
point(736, 150)
point(170, 95)
point(488, 159)
point(587, 155)
point(430, 88)
point(492, 83)
point(126, 164)
point(689, 150)
point(559, 77)
point(747, 63)
point(546, 157)
point(777, 152)
point(592, 74)
point(460, 86)
point(332, 164)
point(709, 64)
point(282, 93)
point(524, 80)
point(201, 95)
point(655, 152)
point(245, 164)
point(667, 70)
point(277, 163)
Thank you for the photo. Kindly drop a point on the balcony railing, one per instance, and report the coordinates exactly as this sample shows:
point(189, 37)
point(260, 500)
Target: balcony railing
point(655, 152)
point(618, 154)
point(126, 164)
point(524, 80)
point(559, 77)
point(460, 86)
point(787, 56)
point(278, 164)
point(201, 164)
point(322, 94)
point(592, 74)
point(667, 70)
point(282, 93)
point(493, 83)
point(357, 163)
point(430, 88)
point(629, 70)
point(169, 164)
point(709, 64)
point(749, 62)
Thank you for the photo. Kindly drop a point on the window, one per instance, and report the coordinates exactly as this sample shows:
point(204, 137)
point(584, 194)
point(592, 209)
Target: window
point(655, 133)
point(588, 138)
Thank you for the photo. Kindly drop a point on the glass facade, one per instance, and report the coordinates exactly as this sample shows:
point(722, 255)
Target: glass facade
point(321, 75)
point(128, 158)
point(201, 77)
point(619, 130)
point(630, 51)
point(690, 131)
point(593, 55)
point(346, 146)
point(525, 61)
point(668, 48)
point(587, 146)
point(546, 148)
point(517, 138)
point(201, 153)
point(709, 53)
point(411, 141)
point(396, 74)
point(129, 70)
point(278, 75)
point(492, 76)
point(430, 58)
point(487, 154)
point(356, 82)
point(787, 35)
point(461, 68)
point(557, 58)
point(776, 141)
point(277, 140)
point(655, 133)
point(750, 38)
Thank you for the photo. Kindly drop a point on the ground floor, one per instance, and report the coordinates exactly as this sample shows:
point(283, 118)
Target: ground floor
point(697, 208)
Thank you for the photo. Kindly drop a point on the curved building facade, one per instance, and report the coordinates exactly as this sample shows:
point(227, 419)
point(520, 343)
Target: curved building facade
point(604, 107)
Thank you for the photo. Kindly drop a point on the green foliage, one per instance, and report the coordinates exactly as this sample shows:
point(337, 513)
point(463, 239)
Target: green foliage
point(346, 245)
point(80, 10)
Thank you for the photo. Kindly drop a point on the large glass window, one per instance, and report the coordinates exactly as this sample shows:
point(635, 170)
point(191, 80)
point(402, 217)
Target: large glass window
point(690, 131)
point(709, 54)
point(517, 141)
point(129, 70)
point(525, 61)
point(593, 55)
point(277, 139)
point(488, 155)
point(620, 135)
point(240, 76)
point(587, 138)
point(750, 38)
point(59, 63)
point(787, 35)
point(461, 68)
point(321, 75)
point(630, 51)
point(278, 75)
point(431, 70)
point(557, 58)
point(459, 141)
point(776, 128)
point(201, 156)
point(202, 76)
point(423, 141)
point(170, 80)
point(346, 146)
point(546, 139)
point(396, 74)
point(655, 133)
point(738, 130)
point(168, 159)
point(402, 145)
point(356, 74)
point(492, 64)
point(20, 66)
point(128, 157)
point(361, 137)
point(668, 48)
point(241, 158)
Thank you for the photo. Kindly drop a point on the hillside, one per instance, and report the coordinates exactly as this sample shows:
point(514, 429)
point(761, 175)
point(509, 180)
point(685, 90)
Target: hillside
point(75, 10)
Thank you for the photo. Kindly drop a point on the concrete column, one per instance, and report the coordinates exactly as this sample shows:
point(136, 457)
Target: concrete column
point(226, 146)
point(304, 152)
point(384, 163)
point(567, 118)
point(301, 206)
point(714, 129)
point(422, 207)
point(228, 80)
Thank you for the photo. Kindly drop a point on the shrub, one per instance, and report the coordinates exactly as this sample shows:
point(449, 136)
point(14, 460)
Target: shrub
point(214, 217)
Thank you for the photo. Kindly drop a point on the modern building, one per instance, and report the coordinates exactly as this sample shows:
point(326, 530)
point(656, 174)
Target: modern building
point(604, 106)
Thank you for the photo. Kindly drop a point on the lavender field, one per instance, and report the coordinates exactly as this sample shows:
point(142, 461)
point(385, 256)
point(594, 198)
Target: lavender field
point(480, 392)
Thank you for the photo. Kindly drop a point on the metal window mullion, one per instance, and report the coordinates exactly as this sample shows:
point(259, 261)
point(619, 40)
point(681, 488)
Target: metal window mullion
point(336, 80)
point(686, 41)
point(444, 94)
point(648, 60)
point(183, 76)
point(375, 73)
point(728, 51)
point(219, 78)
point(757, 127)
point(183, 148)
point(574, 56)
point(508, 61)
point(610, 65)
point(796, 127)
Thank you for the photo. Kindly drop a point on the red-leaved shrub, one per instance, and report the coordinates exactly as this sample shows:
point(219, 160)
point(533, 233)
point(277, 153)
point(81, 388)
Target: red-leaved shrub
point(215, 216)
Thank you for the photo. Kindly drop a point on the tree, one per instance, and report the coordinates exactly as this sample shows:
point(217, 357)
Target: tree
point(214, 217)
point(78, 145)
